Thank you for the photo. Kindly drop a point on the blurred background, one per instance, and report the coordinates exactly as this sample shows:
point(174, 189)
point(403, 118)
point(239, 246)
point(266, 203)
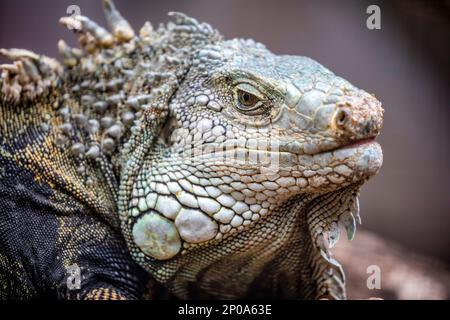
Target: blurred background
point(405, 64)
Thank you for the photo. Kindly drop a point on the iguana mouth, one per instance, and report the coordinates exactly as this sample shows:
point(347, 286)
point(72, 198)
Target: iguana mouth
point(358, 143)
point(296, 147)
point(215, 150)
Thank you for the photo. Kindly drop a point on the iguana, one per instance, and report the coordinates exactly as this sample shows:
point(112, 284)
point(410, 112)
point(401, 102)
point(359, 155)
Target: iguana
point(175, 160)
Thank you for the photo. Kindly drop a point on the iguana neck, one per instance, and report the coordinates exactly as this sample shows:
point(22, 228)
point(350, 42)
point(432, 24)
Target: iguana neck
point(279, 257)
point(264, 260)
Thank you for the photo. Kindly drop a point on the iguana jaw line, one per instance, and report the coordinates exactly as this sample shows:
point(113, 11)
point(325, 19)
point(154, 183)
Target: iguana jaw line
point(359, 142)
point(272, 161)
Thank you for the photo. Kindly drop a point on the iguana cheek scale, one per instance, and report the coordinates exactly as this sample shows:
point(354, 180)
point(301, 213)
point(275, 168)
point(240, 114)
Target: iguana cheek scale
point(227, 169)
point(157, 236)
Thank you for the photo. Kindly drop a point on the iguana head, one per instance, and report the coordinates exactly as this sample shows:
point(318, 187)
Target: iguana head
point(247, 131)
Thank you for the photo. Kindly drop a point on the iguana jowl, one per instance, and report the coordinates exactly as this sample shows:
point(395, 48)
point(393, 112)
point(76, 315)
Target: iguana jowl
point(226, 169)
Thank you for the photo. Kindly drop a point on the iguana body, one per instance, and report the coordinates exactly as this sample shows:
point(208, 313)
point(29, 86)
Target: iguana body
point(220, 168)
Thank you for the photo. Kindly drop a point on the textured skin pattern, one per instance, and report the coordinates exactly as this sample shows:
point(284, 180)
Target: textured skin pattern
point(43, 233)
point(221, 169)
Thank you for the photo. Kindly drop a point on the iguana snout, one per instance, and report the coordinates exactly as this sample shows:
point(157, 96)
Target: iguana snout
point(335, 125)
point(331, 122)
point(357, 116)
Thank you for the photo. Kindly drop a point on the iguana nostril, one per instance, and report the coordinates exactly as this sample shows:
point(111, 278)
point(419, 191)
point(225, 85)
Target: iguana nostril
point(342, 117)
point(369, 126)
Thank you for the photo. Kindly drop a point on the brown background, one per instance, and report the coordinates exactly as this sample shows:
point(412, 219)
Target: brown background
point(406, 64)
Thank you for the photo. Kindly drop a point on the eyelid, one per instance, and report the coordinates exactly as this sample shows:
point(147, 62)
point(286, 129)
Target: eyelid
point(257, 106)
point(250, 89)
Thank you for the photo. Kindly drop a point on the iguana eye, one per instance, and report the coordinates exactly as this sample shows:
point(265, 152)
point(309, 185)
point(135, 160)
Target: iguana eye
point(249, 99)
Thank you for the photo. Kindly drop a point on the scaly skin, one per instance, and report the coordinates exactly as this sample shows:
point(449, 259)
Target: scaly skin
point(223, 169)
